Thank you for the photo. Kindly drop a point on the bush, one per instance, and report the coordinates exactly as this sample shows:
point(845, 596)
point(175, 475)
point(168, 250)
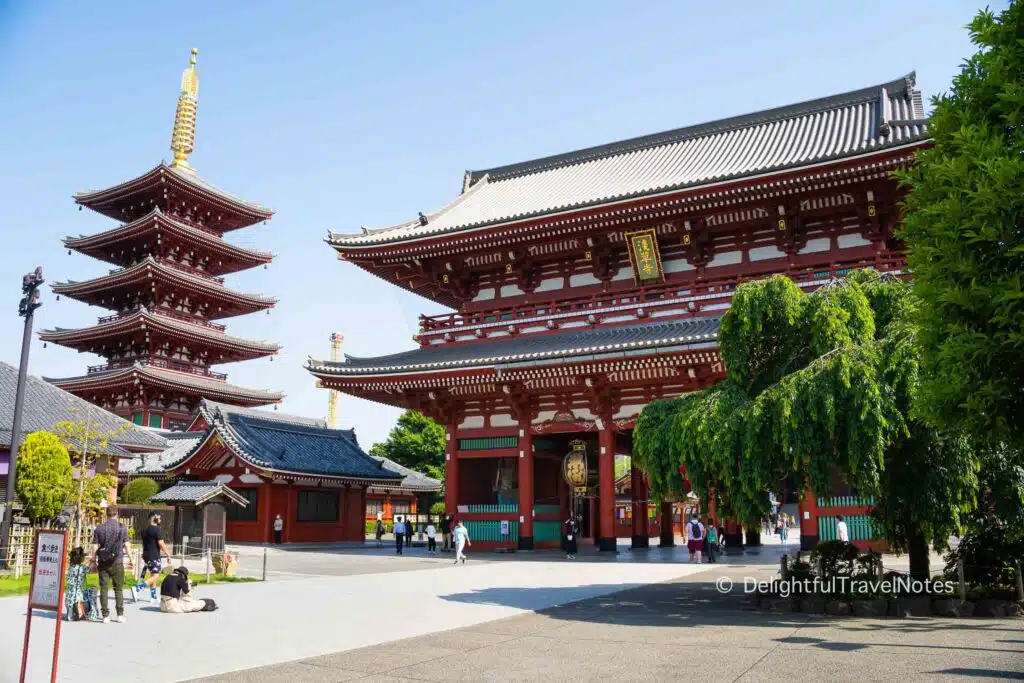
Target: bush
point(437, 508)
point(835, 558)
point(371, 527)
point(44, 479)
point(989, 554)
point(139, 491)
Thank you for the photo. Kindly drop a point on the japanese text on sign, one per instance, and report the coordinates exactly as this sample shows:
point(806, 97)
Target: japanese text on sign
point(47, 570)
point(646, 260)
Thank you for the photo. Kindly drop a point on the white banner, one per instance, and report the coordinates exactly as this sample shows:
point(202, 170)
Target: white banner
point(46, 570)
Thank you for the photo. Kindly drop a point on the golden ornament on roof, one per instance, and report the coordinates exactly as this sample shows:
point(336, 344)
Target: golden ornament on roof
point(183, 137)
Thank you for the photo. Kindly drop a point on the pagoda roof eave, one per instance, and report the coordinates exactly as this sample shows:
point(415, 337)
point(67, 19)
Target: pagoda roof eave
point(96, 245)
point(100, 200)
point(194, 385)
point(142, 318)
point(865, 122)
point(215, 290)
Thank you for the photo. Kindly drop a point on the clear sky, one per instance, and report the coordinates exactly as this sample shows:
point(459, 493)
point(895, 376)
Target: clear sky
point(344, 114)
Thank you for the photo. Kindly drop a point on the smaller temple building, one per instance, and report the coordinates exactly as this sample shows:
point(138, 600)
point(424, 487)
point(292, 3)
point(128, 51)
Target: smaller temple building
point(406, 497)
point(316, 478)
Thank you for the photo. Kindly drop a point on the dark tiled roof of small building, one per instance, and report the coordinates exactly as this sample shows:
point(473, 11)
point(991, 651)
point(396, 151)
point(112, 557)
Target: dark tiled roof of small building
point(603, 342)
point(295, 448)
point(412, 480)
point(197, 493)
point(831, 128)
point(46, 405)
point(179, 446)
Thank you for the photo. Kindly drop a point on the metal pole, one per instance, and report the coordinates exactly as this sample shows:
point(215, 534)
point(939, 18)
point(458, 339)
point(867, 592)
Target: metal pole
point(264, 564)
point(1020, 582)
point(27, 308)
point(960, 577)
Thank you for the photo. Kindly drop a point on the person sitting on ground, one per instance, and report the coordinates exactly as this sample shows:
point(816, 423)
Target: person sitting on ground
point(176, 594)
point(74, 586)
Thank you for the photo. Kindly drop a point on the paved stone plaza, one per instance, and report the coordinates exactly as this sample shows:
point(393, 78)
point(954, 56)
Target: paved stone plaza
point(343, 614)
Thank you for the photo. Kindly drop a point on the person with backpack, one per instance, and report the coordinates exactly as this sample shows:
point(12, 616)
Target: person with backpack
point(712, 541)
point(695, 544)
point(109, 550)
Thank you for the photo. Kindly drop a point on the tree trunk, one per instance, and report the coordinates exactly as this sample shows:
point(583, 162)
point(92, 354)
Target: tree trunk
point(753, 537)
point(78, 510)
point(918, 550)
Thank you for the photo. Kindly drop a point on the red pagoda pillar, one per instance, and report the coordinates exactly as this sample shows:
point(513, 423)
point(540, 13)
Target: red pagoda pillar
point(808, 521)
point(606, 487)
point(639, 488)
point(526, 498)
point(451, 471)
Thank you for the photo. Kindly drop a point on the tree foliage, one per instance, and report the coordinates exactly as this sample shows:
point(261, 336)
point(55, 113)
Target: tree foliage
point(417, 442)
point(43, 479)
point(816, 385)
point(139, 491)
point(963, 224)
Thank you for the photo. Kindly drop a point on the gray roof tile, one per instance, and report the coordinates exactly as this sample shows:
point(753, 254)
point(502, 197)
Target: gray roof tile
point(197, 492)
point(179, 446)
point(413, 480)
point(857, 122)
point(539, 347)
point(46, 405)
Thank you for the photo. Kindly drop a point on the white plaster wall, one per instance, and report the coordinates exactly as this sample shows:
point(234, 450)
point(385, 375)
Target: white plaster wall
point(583, 279)
point(472, 422)
point(816, 245)
point(485, 294)
point(550, 284)
point(676, 266)
point(511, 290)
point(502, 420)
point(846, 241)
point(628, 411)
point(727, 258)
point(623, 274)
point(763, 253)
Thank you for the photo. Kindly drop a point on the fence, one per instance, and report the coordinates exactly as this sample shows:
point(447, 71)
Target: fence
point(859, 527)
point(491, 531)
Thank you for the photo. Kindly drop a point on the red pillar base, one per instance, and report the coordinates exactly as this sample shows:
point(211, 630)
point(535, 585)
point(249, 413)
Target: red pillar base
point(668, 534)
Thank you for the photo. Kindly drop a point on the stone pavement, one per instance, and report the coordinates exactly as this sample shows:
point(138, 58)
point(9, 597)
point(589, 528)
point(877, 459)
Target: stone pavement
point(284, 620)
point(681, 629)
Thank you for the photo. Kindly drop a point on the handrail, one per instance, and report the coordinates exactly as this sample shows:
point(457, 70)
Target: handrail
point(177, 366)
point(638, 296)
point(194, 320)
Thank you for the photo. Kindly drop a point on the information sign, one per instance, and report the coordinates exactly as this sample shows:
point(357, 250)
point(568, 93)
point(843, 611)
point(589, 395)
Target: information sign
point(48, 570)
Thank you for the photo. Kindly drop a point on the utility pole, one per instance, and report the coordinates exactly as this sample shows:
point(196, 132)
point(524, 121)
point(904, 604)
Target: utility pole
point(26, 309)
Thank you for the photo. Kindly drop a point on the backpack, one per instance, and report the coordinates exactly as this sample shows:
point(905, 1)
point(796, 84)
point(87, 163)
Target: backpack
point(695, 531)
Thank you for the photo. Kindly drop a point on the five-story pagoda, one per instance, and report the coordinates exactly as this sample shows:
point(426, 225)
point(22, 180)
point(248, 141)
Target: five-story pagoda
point(166, 289)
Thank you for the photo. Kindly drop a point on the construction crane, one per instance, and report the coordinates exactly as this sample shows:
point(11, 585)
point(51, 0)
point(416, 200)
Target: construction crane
point(337, 339)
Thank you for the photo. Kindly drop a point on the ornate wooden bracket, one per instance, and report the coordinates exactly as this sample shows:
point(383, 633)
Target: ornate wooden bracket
point(696, 241)
point(523, 406)
point(790, 236)
point(522, 269)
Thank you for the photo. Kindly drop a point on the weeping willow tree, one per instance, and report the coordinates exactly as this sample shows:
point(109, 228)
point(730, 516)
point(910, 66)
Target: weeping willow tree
point(817, 385)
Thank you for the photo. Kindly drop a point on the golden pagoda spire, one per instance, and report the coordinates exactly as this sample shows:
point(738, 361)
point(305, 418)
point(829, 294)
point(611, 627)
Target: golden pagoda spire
point(183, 137)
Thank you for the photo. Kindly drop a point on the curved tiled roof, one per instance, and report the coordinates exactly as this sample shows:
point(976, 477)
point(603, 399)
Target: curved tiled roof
point(863, 121)
point(412, 480)
point(179, 446)
point(144, 268)
point(96, 245)
point(144, 317)
point(203, 386)
point(553, 347)
point(46, 405)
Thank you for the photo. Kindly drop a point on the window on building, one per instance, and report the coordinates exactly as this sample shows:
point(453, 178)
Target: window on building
point(317, 506)
point(249, 513)
point(137, 419)
point(155, 421)
point(400, 507)
point(374, 507)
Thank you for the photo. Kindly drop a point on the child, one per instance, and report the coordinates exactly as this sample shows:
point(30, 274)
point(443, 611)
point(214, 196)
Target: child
point(74, 586)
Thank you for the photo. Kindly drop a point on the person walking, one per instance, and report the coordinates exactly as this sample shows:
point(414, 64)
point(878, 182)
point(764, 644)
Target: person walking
point(109, 550)
point(461, 537)
point(399, 534)
point(572, 533)
point(712, 540)
point(410, 526)
point(446, 533)
point(278, 529)
point(842, 533)
point(784, 529)
point(380, 533)
point(152, 545)
point(695, 538)
point(431, 538)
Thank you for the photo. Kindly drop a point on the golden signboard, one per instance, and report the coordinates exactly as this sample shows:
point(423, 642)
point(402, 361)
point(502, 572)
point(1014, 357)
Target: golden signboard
point(645, 257)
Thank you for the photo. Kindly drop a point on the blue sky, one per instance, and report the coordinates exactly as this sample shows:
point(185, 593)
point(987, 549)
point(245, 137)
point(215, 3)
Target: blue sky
point(344, 114)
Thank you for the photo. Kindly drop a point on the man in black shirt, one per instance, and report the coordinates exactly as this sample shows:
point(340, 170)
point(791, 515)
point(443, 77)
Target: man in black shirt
point(176, 594)
point(152, 544)
point(109, 548)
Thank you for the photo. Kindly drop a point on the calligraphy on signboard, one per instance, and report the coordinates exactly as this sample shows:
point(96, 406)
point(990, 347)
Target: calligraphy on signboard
point(48, 570)
point(644, 257)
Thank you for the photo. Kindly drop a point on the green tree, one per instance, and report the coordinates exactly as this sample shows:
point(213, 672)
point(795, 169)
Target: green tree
point(139, 491)
point(87, 440)
point(44, 476)
point(963, 225)
point(816, 385)
point(417, 442)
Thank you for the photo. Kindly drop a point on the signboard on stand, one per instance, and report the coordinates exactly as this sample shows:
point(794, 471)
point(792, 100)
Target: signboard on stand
point(46, 588)
point(504, 527)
